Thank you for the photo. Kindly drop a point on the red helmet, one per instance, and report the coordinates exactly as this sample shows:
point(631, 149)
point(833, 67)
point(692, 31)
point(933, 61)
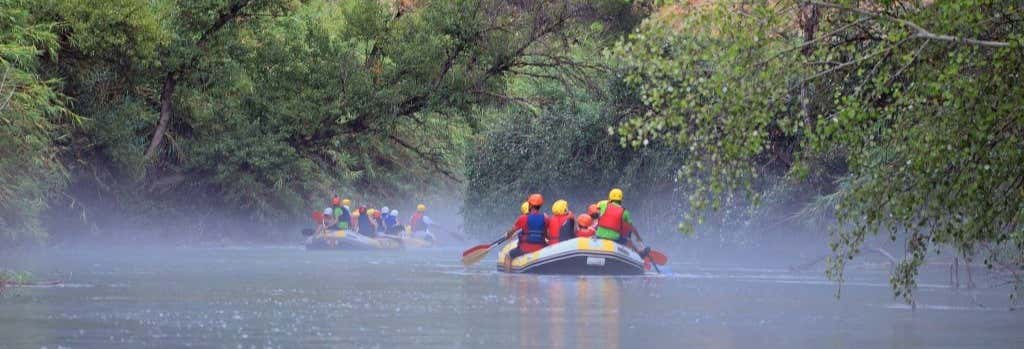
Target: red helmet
point(593, 209)
point(336, 201)
point(376, 214)
point(584, 220)
point(536, 200)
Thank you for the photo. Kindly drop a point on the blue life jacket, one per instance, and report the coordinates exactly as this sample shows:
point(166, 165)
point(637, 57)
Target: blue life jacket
point(535, 228)
point(365, 227)
point(344, 216)
point(390, 221)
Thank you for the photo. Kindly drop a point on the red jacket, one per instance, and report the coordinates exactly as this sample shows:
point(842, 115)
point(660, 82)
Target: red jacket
point(559, 226)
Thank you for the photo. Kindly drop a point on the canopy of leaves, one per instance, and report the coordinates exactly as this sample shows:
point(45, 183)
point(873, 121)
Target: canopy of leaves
point(255, 110)
point(30, 106)
point(920, 100)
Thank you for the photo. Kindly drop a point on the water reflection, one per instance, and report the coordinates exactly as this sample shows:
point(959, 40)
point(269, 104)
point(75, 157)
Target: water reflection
point(567, 312)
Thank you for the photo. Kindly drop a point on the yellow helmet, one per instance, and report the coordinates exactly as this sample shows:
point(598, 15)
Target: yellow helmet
point(615, 195)
point(560, 207)
point(421, 208)
point(346, 202)
point(524, 208)
point(355, 213)
point(371, 211)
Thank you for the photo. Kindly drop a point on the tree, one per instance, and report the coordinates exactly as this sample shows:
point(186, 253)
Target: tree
point(917, 100)
point(31, 109)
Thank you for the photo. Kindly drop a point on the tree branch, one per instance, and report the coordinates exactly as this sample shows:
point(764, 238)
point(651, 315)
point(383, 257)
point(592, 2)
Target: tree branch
point(919, 31)
point(426, 157)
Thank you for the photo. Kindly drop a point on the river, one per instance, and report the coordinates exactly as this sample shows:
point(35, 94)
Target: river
point(288, 297)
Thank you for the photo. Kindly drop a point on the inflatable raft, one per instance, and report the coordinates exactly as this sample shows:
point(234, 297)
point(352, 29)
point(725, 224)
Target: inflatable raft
point(350, 240)
point(578, 256)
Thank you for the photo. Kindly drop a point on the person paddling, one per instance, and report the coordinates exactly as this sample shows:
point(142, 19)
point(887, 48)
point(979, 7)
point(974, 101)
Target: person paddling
point(611, 225)
point(322, 228)
point(420, 224)
point(531, 232)
point(365, 224)
point(343, 214)
point(393, 227)
point(585, 227)
point(561, 226)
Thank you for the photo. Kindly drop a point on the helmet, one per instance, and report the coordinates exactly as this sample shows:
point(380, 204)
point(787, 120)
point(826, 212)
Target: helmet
point(328, 212)
point(524, 208)
point(371, 211)
point(362, 209)
point(421, 208)
point(615, 194)
point(376, 214)
point(385, 210)
point(536, 200)
point(593, 209)
point(355, 214)
point(394, 213)
point(346, 202)
point(560, 207)
point(584, 220)
point(336, 201)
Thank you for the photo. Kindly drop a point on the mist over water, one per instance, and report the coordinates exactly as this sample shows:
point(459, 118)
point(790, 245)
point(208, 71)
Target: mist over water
point(287, 297)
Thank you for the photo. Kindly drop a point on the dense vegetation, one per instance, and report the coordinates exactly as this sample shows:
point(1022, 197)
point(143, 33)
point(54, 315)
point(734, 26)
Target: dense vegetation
point(161, 114)
point(906, 116)
point(210, 118)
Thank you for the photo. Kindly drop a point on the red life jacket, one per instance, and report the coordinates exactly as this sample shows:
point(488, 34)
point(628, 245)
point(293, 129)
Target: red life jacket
point(556, 226)
point(612, 218)
point(417, 222)
point(585, 232)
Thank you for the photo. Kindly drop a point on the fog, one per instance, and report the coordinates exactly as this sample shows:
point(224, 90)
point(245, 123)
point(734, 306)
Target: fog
point(736, 284)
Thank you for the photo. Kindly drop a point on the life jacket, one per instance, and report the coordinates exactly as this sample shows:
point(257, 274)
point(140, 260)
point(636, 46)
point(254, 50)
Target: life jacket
point(365, 225)
point(417, 222)
point(390, 221)
point(585, 232)
point(612, 218)
point(557, 228)
point(342, 213)
point(535, 229)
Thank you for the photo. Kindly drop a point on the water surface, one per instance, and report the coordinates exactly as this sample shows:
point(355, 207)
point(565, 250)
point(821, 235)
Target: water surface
point(288, 297)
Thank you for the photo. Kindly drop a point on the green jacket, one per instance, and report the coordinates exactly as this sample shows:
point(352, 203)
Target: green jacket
point(609, 234)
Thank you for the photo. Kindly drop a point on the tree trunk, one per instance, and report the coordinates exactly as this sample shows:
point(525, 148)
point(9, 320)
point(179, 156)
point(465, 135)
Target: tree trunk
point(809, 15)
point(166, 95)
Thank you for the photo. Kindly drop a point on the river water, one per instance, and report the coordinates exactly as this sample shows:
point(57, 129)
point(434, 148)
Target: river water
point(287, 297)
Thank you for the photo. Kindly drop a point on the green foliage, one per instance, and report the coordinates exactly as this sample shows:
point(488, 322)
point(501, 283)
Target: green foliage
point(562, 150)
point(920, 102)
point(30, 110)
point(256, 110)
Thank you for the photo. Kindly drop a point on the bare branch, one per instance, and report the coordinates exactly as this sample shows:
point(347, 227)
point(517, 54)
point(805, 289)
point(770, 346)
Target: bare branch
point(919, 31)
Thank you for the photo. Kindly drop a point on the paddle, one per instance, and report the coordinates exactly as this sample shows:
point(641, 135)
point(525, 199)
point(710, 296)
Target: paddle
point(476, 253)
point(656, 256)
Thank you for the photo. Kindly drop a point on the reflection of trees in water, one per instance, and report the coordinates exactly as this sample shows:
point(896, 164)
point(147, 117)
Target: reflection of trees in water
point(562, 312)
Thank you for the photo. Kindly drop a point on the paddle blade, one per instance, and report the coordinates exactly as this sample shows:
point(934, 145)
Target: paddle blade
point(658, 257)
point(475, 248)
point(475, 256)
point(308, 232)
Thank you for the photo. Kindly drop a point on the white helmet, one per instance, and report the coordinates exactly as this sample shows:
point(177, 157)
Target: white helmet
point(328, 212)
point(394, 213)
point(384, 210)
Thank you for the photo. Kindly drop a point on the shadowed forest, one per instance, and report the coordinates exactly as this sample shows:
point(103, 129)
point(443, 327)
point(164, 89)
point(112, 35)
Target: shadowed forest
point(213, 120)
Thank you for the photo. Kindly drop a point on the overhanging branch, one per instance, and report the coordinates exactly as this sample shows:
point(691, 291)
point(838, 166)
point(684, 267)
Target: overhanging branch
point(919, 31)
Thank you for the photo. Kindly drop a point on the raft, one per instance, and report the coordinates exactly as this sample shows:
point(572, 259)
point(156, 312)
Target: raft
point(350, 240)
point(578, 256)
